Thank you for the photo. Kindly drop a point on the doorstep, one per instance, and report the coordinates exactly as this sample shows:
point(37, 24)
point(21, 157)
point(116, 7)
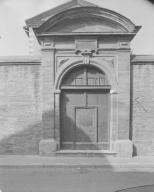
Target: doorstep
point(86, 153)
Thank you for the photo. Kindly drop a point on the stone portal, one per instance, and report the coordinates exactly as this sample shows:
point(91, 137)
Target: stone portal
point(85, 77)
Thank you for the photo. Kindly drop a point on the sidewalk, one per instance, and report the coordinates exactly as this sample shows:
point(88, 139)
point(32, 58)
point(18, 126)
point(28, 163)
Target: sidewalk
point(104, 162)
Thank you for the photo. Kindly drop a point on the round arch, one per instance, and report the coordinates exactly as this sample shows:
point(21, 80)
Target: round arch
point(85, 96)
point(69, 66)
point(112, 96)
point(85, 75)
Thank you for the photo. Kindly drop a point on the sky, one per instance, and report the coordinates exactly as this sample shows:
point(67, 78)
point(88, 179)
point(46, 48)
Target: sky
point(13, 13)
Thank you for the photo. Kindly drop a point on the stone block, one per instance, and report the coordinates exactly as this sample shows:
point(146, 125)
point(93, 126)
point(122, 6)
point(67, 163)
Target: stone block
point(124, 148)
point(48, 147)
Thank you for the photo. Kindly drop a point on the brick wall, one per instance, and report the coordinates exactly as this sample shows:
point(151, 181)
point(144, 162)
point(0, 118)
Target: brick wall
point(143, 108)
point(20, 108)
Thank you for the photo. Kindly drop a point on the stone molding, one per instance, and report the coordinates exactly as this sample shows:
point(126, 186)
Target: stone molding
point(70, 64)
point(96, 12)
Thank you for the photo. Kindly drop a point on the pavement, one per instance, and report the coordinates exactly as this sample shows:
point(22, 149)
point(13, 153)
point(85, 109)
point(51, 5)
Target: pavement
point(63, 161)
point(76, 179)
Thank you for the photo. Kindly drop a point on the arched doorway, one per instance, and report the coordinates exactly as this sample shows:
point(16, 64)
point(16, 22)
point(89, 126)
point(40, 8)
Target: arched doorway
point(85, 109)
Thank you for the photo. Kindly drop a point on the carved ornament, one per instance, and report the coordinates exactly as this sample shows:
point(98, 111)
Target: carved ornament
point(62, 61)
point(86, 55)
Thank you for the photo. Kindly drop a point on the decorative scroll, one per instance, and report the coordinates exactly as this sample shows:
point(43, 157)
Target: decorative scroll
point(62, 61)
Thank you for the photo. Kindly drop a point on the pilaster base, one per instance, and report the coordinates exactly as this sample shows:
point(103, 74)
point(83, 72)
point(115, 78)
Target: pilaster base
point(48, 147)
point(124, 148)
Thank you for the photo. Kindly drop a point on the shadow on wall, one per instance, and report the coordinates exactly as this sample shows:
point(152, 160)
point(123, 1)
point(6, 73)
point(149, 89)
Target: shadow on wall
point(48, 124)
point(75, 137)
point(134, 151)
point(26, 142)
point(81, 125)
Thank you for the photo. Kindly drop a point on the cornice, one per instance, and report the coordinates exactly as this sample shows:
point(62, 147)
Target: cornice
point(85, 34)
point(19, 60)
point(142, 59)
point(119, 35)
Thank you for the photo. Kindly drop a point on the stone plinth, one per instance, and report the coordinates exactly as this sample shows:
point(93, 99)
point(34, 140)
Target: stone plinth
point(48, 147)
point(124, 148)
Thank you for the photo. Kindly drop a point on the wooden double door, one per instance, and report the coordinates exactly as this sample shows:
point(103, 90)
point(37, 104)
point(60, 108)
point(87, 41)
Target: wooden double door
point(85, 119)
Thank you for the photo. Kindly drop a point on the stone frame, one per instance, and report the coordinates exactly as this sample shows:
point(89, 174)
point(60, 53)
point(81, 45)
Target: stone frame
point(113, 125)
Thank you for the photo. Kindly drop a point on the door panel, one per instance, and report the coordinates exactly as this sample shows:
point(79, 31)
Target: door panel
point(67, 132)
point(85, 119)
point(101, 99)
point(86, 124)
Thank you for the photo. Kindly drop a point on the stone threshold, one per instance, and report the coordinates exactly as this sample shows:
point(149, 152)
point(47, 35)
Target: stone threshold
point(86, 153)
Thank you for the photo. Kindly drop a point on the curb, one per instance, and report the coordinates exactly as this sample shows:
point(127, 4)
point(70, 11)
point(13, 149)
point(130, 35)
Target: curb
point(60, 162)
point(110, 166)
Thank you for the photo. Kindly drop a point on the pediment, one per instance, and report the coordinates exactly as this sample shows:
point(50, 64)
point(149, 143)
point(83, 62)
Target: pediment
point(78, 17)
point(87, 19)
point(38, 20)
point(85, 25)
